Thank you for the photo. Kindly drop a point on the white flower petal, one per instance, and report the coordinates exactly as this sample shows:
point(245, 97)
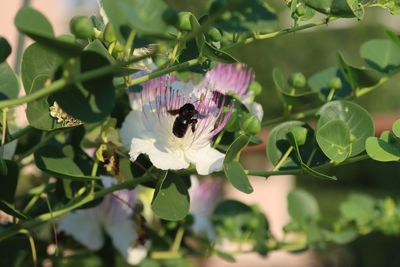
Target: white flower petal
point(254, 107)
point(258, 110)
point(123, 236)
point(137, 254)
point(160, 155)
point(206, 159)
point(85, 229)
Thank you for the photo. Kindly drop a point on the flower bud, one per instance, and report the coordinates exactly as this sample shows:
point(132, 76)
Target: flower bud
point(214, 34)
point(233, 123)
point(297, 80)
point(184, 21)
point(300, 134)
point(353, 138)
point(170, 16)
point(256, 88)
point(335, 83)
point(250, 123)
point(300, 11)
point(81, 27)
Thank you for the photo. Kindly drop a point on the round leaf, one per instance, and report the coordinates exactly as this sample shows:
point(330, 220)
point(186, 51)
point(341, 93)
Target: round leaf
point(171, 198)
point(319, 81)
point(9, 85)
point(357, 119)
point(37, 60)
point(396, 128)
point(334, 140)
point(5, 49)
point(92, 100)
point(302, 207)
point(381, 54)
point(380, 150)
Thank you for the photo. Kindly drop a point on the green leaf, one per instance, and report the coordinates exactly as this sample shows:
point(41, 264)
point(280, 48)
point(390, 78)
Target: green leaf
point(293, 141)
point(381, 54)
point(35, 25)
point(396, 128)
point(277, 145)
point(38, 112)
point(340, 8)
point(215, 54)
point(302, 98)
point(11, 210)
point(319, 81)
point(171, 198)
point(358, 77)
point(9, 85)
point(37, 60)
point(52, 160)
point(334, 140)
point(381, 150)
point(302, 207)
point(359, 208)
point(5, 49)
point(248, 16)
point(232, 168)
point(357, 119)
point(226, 256)
point(144, 16)
point(8, 181)
point(343, 237)
point(393, 36)
point(278, 79)
point(90, 101)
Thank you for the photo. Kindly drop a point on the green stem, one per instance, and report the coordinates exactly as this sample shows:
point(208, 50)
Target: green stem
point(162, 72)
point(178, 239)
point(32, 243)
point(21, 132)
point(297, 116)
point(62, 83)
point(369, 89)
point(278, 33)
point(311, 156)
point(52, 221)
point(3, 134)
point(330, 95)
point(266, 174)
point(173, 55)
point(130, 184)
point(37, 146)
point(283, 159)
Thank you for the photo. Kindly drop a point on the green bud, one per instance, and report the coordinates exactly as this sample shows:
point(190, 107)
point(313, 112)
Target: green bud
point(5, 49)
point(81, 27)
point(214, 34)
point(228, 223)
point(184, 21)
point(256, 88)
point(297, 80)
point(250, 123)
point(253, 223)
point(300, 11)
point(353, 138)
point(233, 124)
point(170, 16)
point(171, 225)
point(335, 83)
point(109, 35)
point(300, 134)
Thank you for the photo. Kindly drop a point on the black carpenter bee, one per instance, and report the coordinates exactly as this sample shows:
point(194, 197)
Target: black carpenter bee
point(184, 119)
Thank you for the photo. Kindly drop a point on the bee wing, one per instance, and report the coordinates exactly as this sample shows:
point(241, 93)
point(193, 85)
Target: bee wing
point(200, 116)
point(173, 111)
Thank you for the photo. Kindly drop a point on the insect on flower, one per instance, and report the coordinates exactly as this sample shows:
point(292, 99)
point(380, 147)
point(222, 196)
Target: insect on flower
point(153, 128)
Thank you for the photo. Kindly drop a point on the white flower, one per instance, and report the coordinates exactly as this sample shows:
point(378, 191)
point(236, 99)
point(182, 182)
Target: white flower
point(204, 196)
point(148, 128)
point(113, 215)
point(234, 78)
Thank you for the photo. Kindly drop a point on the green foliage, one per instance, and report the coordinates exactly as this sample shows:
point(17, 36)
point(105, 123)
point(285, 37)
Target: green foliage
point(9, 86)
point(232, 168)
point(171, 198)
point(5, 49)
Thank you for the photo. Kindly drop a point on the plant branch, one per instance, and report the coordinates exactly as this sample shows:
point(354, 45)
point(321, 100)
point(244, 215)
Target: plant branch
point(297, 116)
point(279, 33)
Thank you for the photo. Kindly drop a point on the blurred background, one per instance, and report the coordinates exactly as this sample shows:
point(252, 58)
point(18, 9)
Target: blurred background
point(308, 52)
